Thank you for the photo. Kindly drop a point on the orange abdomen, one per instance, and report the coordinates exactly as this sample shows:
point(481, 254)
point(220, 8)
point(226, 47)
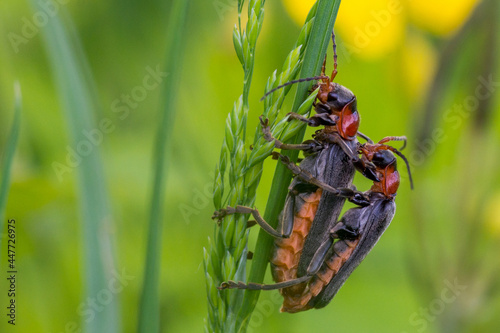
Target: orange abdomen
point(287, 252)
point(342, 252)
point(331, 266)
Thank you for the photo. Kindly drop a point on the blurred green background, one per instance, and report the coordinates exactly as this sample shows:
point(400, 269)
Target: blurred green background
point(418, 68)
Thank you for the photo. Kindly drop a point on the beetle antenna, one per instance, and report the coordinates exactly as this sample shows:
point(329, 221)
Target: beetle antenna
point(400, 154)
point(334, 73)
point(323, 68)
point(321, 77)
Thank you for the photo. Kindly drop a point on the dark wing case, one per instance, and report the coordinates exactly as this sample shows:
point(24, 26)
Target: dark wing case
point(333, 167)
point(372, 220)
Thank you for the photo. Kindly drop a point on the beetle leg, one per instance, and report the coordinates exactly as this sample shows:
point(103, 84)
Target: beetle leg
point(359, 199)
point(366, 170)
point(340, 231)
point(287, 220)
point(309, 121)
point(322, 108)
point(251, 223)
point(356, 197)
point(319, 257)
point(220, 214)
point(311, 145)
point(296, 116)
point(321, 118)
point(314, 266)
point(343, 231)
point(258, 286)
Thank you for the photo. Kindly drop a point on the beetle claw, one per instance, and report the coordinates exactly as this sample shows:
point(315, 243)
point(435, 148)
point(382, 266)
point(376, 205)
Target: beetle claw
point(223, 285)
point(218, 215)
point(221, 213)
point(228, 285)
point(264, 122)
point(275, 155)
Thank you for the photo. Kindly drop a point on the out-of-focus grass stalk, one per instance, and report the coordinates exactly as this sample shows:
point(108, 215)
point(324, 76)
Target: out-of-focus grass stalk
point(8, 155)
point(76, 93)
point(226, 257)
point(149, 311)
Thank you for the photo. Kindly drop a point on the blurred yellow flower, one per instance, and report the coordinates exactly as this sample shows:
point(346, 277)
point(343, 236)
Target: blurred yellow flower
point(375, 28)
point(298, 9)
point(441, 17)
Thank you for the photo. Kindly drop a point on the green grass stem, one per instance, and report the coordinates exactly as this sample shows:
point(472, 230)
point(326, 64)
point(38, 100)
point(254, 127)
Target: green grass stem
point(149, 311)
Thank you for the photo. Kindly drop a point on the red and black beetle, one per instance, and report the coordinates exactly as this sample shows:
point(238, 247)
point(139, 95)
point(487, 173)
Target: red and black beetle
point(347, 242)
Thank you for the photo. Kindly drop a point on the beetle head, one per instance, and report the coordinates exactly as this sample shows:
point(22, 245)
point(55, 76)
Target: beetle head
point(341, 104)
point(374, 162)
point(334, 95)
point(385, 168)
point(383, 158)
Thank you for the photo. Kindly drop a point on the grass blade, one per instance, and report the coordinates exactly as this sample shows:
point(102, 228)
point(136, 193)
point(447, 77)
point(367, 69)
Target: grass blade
point(149, 311)
point(326, 15)
point(226, 256)
point(9, 155)
point(77, 101)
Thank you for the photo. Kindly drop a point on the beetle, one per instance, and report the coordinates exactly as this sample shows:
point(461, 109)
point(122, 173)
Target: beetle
point(348, 241)
point(323, 180)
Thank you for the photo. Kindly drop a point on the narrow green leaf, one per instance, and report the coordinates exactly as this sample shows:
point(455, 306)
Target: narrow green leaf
point(77, 99)
point(149, 311)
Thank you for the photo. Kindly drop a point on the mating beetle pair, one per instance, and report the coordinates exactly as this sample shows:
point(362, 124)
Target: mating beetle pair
point(315, 252)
